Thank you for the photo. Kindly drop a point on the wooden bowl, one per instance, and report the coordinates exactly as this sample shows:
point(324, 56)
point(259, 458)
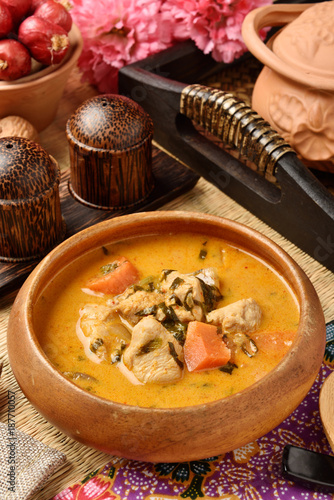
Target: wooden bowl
point(36, 97)
point(171, 434)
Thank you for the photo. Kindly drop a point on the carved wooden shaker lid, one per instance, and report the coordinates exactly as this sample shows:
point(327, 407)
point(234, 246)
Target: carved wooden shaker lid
point(26, 169)
point(110, 122)
point(308, 41)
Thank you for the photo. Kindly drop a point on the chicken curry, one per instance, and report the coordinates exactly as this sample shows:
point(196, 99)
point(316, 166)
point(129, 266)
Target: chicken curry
point(166, 321)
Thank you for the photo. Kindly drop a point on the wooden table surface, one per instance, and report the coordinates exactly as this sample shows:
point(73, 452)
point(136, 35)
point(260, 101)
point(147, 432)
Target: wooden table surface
point(202, 197)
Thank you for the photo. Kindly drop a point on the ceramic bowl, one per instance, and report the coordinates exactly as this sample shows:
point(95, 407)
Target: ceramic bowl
point(36, 97)
point(167, 434)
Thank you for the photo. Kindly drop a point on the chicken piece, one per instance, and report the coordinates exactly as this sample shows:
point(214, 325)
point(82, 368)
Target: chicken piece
point(179, 284)
point(187, 290)
point(92, 324)
point(134, 306)
point(209, 275)
point(184, 315)
point(153, 354)
point(100, 332)
point(242, 316)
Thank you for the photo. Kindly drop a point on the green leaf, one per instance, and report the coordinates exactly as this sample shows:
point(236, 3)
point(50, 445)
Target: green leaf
point(150, 346)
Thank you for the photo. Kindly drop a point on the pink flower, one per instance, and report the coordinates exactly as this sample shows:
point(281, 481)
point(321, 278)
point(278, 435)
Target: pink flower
point(120, 32)
point(214, 25)
point(116, 33)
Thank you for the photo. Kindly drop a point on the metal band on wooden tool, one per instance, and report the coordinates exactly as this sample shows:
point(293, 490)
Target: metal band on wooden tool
point(234, 123)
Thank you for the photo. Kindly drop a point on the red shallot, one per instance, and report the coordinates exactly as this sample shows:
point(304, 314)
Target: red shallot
point(15, 60)
point(36, 3)
point(18, 9)
point(6, 21)
point(55, 13)
point(47, 42)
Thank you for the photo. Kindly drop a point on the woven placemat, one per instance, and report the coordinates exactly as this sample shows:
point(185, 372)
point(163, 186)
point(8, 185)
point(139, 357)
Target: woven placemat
point(238, 78)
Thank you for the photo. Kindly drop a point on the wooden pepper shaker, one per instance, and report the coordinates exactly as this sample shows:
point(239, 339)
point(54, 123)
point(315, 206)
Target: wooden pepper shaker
point(30, 214)
point(110, 139)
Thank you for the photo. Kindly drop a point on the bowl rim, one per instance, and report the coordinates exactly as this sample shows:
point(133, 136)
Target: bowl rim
point(34, 80)
point(299, 283)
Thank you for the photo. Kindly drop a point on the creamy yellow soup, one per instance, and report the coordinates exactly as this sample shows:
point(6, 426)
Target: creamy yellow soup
point(241, 276)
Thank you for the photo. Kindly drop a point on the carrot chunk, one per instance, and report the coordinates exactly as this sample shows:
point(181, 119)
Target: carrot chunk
point(117, 276)
point(274, 344)
point(204, 348)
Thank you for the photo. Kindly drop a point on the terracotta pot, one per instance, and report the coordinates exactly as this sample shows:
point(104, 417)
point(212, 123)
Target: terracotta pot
point(295, 90)
point(36, 97)
point(175, 434)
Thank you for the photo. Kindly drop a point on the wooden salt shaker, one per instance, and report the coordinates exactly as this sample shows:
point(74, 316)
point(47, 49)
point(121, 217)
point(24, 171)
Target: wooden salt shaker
point(30, 214)
point(110, 140)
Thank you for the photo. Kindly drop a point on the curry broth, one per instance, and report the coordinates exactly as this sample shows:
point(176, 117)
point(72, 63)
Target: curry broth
point(241, 275)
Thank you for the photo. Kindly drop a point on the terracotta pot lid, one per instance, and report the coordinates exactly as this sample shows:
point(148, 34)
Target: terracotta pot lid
point(307, 43)
point(110, 122)
point(26, 169)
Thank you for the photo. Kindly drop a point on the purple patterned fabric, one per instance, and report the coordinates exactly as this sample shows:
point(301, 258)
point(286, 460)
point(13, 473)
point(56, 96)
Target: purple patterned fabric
point(252, 472)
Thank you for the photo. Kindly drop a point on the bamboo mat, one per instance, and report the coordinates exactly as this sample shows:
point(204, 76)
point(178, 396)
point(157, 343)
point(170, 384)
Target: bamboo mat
point(203, 198)
point(80, 459)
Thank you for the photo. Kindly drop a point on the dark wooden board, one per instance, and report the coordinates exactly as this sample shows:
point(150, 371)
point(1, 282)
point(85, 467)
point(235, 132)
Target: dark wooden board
point(171, 180)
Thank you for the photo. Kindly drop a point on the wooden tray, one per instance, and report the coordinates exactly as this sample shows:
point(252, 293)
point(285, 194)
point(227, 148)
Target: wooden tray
point(171, 180)
point(217, 134)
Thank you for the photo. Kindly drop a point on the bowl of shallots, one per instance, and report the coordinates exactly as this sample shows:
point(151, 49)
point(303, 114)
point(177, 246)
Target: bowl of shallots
point(39, 47)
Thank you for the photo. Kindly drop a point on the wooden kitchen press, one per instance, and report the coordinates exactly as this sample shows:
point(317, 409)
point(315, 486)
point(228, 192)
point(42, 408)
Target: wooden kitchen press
point(187, 116)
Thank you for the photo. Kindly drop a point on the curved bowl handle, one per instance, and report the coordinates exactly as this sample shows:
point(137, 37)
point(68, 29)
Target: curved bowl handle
point(271, 16)
point(234, 123)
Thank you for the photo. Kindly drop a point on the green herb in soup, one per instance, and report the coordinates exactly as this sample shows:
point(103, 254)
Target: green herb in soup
point(166, 321)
